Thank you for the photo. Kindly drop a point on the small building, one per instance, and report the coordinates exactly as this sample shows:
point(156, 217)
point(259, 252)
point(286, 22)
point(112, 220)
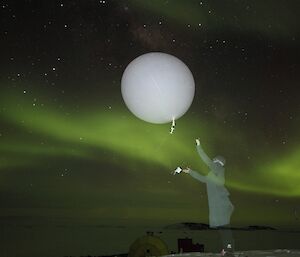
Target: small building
point(186, 245)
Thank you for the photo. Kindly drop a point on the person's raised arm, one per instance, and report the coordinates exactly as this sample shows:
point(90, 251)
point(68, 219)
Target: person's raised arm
point(195, 175)
point(202, 154)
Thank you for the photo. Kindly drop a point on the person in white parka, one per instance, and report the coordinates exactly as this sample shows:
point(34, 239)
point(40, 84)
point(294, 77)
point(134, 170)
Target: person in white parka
point(220, 206)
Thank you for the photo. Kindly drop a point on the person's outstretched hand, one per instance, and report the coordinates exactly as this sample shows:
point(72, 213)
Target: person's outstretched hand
point(198, 141)
point(186, 170)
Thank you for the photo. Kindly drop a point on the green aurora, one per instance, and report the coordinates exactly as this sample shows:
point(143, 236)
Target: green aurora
point(255, 17)
point(84, 135)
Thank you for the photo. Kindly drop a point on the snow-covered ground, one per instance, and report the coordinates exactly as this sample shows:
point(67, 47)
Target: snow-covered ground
point(266, 253)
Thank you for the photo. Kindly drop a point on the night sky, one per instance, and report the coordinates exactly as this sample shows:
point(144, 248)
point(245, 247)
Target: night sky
point(72, 154)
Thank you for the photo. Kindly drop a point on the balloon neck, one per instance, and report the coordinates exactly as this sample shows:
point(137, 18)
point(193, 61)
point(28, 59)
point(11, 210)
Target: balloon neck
point(172, 126)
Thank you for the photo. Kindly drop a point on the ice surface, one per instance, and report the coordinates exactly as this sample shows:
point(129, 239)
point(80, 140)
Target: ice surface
point(265, 253)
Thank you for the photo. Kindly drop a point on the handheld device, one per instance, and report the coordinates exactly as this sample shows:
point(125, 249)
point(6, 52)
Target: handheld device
point(177, 171)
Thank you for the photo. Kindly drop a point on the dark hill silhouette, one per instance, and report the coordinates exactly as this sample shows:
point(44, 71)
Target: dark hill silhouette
point(203, 226)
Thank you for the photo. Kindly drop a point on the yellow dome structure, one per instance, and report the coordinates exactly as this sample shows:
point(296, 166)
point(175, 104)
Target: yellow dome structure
point(148, 245)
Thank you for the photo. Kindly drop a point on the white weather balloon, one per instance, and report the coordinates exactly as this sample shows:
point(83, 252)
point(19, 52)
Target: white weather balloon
point(157, 87)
